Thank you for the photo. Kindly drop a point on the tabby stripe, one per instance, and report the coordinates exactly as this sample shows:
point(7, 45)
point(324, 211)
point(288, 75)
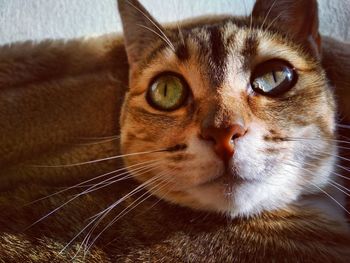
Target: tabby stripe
point(182, 51)
point(218, 57)
point(249, 50)
point(153, 55)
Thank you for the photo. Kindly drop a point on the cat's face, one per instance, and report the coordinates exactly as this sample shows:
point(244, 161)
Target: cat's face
point(239, 116)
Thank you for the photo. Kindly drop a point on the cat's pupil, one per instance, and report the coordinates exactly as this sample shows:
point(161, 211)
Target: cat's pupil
point(274, 76)
point(165, 90)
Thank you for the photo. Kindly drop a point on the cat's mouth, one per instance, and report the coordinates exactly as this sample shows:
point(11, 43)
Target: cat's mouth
point(227, 179)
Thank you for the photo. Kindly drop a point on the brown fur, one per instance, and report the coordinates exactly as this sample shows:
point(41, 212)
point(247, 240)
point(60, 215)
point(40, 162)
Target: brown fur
point(45, 111)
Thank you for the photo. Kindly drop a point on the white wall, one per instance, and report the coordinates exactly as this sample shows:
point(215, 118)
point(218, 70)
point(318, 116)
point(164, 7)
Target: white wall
point(38, 19)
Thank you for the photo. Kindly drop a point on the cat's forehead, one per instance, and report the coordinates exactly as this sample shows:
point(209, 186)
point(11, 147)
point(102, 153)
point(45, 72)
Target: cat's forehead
point(214, 45)
point(220, 52)
point(237, 37)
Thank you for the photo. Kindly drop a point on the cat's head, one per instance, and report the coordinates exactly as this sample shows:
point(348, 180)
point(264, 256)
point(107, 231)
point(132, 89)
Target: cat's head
point(228, 114)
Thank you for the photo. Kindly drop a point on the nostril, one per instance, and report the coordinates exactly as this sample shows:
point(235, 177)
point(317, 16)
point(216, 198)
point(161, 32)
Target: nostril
point(235, 136)
point(212, 139)
point(223, 139)
point(237, 132)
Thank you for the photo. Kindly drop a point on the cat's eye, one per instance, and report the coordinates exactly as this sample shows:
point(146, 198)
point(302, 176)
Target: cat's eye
point(167, 92)
point(273, 78)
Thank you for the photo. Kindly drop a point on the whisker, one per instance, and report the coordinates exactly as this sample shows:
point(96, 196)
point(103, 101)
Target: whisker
point(147, 196)
point(138, 188)
point(341, 186)
point(99, 138)
point(154, 24)
point(343, 126)
point(181, 34)
point(334, 155)
point(268, 13)
point(130, 207)
point(96, 143)
point(88, 237)
point(346, 138)
point(153, 31)
point(333, 172)
point(309, 182)
point(330, 196)
point(88, 181)
point(159, 199)
point(338, 188)
point(72, 199)
point(119, 201)
point(316, 139)
point(273, 21)
point(343, 148)
point(112, 180)
point(99, 160)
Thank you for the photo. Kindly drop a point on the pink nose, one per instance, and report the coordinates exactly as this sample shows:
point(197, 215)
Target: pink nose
point(224, 139)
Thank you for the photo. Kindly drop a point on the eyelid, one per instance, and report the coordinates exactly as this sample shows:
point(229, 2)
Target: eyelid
point(271, 61)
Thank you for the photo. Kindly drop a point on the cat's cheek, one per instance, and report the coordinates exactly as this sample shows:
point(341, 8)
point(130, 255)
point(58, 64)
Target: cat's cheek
point(203, 167)
point(250, 158)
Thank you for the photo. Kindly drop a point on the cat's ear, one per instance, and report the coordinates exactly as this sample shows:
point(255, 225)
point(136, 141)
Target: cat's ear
point(140, 28)
point(297, 17)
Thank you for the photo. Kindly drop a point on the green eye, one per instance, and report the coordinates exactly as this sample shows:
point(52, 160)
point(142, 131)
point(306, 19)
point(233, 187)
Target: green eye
point(167, 92)
point(273, 78)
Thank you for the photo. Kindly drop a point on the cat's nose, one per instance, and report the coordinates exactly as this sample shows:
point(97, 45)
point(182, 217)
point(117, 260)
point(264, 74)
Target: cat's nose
point(224, 139)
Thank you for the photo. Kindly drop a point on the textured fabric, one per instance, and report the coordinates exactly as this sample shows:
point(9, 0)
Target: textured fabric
point(38, 19)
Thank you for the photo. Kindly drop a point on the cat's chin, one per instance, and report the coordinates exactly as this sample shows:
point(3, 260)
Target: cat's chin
point(228, 179)
point(216, 195)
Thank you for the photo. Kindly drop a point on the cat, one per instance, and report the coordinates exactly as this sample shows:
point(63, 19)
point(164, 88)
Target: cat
point(249, 116)
point(43, 125)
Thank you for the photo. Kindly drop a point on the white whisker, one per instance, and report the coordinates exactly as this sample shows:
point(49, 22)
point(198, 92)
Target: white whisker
point(136, 172)
point(96, 142)
point(309, 182)
point(181, 34)
point(343, 126)
point(154, 24)
point(317, 139)
point(334, 155)
point(153, 31)
point(333, 172)
point(140, 187)
point(99, 160)
point(268, 13)
point(135, 203)
point(341, 186)
point(330, 196)
point(99, 138)
point(90, 189)
point(273, 21)
point(341, 190)
point(82, 184)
